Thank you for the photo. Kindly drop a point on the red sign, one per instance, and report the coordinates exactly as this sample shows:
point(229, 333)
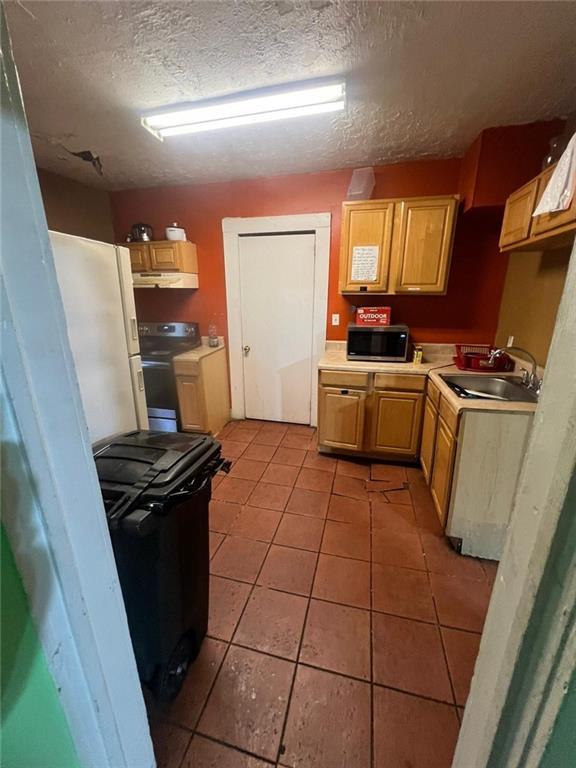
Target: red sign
point(373, 315)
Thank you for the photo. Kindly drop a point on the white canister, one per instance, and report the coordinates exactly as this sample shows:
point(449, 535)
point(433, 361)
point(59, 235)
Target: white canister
point(174, 232)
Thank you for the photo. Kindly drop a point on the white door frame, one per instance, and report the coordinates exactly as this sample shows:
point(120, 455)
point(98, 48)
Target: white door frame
point(232, 229)
point(60, 539)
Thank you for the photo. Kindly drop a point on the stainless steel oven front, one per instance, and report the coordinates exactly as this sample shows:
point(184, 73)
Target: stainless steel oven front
point(160, 386)
point(159, 344)
point(379, 343)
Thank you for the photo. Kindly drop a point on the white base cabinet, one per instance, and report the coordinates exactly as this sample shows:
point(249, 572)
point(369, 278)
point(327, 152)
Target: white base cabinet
point(489, 456)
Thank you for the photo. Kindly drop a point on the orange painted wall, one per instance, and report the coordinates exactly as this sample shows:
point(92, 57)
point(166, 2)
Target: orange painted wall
point(469, 311)
point(503, 159)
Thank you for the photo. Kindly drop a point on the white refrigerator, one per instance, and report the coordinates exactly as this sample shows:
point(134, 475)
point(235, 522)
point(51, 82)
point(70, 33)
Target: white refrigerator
point(95, 282)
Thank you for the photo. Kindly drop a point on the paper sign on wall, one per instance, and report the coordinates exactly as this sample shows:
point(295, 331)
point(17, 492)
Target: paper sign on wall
point(364, 263)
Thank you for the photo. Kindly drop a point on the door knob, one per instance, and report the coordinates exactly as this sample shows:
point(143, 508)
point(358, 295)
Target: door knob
point(246, 349)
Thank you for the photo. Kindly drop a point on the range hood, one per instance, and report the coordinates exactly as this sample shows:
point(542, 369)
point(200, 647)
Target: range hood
point(165, 280)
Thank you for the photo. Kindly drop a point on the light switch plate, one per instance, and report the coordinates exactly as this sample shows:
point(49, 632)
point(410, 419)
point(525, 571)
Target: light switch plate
point(335, 319)
point(510, 342)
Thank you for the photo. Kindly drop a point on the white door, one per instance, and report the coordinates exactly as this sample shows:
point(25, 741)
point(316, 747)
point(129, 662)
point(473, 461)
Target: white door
point(277, 300)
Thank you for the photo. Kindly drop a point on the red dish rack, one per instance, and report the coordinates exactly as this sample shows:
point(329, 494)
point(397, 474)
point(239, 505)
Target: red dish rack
point(476, 357)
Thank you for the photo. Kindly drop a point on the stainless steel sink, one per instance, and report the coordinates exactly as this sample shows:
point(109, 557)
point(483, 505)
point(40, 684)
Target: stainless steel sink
point(498, 388)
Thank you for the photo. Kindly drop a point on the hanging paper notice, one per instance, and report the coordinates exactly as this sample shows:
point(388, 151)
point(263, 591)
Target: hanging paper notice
point(364, 263)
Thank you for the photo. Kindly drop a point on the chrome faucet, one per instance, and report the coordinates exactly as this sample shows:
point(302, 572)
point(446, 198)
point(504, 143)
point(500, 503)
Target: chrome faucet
point(531, 379)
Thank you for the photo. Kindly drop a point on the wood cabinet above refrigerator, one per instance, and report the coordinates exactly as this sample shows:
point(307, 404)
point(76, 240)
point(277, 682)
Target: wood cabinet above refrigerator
point(163, 256)
point(398, 245)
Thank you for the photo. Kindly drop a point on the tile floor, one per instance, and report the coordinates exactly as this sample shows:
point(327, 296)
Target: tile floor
point(343, 628)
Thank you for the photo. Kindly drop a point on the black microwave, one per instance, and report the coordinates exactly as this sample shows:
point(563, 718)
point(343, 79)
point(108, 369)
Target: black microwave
point(379, 343)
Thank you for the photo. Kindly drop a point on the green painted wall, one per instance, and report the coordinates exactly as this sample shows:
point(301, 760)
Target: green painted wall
point(561, 749)
point(34, 729)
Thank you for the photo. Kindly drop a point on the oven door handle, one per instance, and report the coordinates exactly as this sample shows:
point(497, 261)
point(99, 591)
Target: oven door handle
point(156, 364)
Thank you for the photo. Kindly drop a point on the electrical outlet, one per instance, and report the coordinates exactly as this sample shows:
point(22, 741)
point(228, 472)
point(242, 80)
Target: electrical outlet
point(510, 342)
point(335, 319)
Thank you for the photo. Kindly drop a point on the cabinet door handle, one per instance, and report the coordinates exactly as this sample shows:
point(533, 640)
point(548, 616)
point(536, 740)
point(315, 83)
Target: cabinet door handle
point(246, 349)
point(344, 391)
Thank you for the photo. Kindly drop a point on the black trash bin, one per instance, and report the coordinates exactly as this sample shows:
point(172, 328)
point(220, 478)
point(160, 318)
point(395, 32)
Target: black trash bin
point(156, 488)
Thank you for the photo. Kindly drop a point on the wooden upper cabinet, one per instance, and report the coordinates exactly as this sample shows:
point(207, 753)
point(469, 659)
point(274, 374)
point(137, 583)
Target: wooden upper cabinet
point(365, 246)
point(139, 257)
point(397, 246)
point(518, 214)
point(551, 221)
point(422, 246)
point(341, 418)
point(163, 256)
point(396, 422)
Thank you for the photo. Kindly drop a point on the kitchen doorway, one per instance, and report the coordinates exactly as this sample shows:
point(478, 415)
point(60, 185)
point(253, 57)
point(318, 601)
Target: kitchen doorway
point(277, 302)
point(277, 294)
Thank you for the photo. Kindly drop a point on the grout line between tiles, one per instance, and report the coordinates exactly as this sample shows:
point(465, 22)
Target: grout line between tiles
point(436, 621)
point(229, 644)
point(420, 530)
point(281, 747)
point(185, 752)
point(372, 750)
point(222, 743)
point(444, 654)
point(415, 695)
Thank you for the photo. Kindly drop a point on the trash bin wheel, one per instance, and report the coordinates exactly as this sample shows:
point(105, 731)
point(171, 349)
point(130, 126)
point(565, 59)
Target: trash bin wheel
point(170, 677)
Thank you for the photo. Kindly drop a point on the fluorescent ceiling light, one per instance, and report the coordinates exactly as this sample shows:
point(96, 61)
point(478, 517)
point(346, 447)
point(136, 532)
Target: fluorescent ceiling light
point(248, 110)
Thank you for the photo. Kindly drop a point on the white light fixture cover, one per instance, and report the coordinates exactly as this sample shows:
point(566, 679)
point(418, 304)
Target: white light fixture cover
point(264, 107)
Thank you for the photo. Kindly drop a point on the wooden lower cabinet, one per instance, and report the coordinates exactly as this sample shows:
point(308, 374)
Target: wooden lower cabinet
point(444, 454)
point(341, 418)
point(395, 422)
point(372, 414)
point(428, 443)
point(202, 389)
point(191, 404)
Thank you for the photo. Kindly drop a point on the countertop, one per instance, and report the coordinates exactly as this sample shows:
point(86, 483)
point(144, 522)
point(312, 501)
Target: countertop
point(196, 354)
point(437, 360)
point(334, 359)
point(458, 404)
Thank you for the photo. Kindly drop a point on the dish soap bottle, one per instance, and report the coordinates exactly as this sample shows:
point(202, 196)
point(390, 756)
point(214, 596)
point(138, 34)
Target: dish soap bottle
point(212, 335)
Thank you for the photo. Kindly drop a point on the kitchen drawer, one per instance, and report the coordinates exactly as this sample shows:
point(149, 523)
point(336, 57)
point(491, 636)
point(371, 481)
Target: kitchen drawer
point(399, 381)
point(449, 416)
point(344, 378)
point(433, 393)
point(186, 367)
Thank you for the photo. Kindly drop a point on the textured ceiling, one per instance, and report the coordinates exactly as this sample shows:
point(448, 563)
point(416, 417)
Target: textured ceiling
point(423, 80)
